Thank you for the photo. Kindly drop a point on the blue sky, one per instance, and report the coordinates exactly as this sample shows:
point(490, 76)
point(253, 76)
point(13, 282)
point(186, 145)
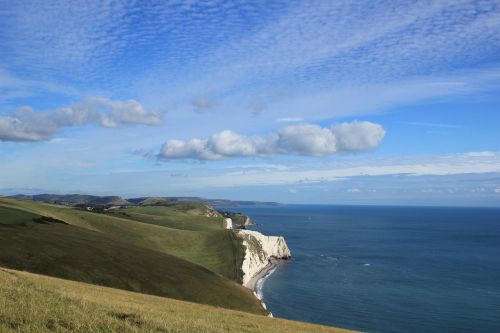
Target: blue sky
point(348, 102)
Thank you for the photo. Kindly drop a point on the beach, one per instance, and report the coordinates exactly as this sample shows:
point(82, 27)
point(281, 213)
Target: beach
point(254, 284)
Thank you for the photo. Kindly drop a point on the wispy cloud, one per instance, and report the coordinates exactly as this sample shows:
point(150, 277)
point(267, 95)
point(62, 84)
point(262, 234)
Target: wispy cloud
point(416, 166)
point(321, 44)
point(356, 53)
point(13, 87)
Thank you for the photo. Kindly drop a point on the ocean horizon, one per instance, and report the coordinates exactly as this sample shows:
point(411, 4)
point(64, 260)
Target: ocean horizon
point(385, 268)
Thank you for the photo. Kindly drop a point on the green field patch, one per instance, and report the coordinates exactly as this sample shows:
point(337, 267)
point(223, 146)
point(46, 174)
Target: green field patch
point(167, 217)
point(9, 216)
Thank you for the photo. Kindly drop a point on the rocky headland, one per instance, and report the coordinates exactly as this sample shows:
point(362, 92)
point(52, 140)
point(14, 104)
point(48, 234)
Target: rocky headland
point(261, 254)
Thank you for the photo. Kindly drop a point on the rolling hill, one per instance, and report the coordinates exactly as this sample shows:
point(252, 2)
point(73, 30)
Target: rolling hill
point(164, 251)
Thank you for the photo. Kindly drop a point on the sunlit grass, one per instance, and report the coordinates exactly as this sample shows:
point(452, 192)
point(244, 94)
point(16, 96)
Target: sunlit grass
point(34, 303)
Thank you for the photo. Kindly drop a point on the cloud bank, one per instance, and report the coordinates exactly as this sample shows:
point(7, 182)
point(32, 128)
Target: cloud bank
point(303, 139)
point(26, 124)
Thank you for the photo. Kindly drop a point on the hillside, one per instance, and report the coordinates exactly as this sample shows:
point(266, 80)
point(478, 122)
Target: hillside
point(76, 199)
point(166, 251)
point(81, 307)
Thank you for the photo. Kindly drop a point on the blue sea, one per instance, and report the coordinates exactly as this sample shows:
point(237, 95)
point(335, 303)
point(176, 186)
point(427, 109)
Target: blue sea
point(386, 269)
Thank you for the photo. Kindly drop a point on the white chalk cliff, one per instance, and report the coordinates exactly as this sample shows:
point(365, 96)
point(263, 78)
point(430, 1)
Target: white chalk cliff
point(248, 221)
point(259, 249)
point(229, 223)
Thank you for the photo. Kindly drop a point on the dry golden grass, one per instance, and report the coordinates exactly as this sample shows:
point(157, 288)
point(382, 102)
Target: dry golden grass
point(37, 303)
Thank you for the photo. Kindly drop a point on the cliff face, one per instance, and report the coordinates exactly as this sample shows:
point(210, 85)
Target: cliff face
point(239, 220)
point(248, 221)
point(259, 249)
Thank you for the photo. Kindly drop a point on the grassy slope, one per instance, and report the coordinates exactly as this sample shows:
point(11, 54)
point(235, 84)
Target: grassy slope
point(117, 252)
point(14, 216)
point(179, 230)
point(196, 238)
point(34, 303)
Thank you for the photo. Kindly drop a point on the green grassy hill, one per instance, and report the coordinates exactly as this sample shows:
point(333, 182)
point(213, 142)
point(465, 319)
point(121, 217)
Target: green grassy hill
point(166, 251)
point(35, 303)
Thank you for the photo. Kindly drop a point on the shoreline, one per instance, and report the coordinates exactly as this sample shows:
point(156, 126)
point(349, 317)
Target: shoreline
point(257, 281)
point(253, 283)
point(258, 248)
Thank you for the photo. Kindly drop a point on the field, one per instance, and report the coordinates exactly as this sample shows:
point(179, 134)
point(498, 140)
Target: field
point(166, 251)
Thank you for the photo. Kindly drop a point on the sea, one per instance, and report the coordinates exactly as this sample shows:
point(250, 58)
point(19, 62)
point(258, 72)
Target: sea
point(385, 269)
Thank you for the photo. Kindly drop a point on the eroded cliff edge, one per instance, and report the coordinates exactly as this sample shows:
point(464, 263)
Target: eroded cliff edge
point(260, 250)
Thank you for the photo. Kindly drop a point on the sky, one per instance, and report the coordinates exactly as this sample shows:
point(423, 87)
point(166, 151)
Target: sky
point(327, 102)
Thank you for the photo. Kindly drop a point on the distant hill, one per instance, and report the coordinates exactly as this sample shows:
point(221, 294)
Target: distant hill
point(76, 199)
point(83, 199)
point(212, 202)
point(152, 201)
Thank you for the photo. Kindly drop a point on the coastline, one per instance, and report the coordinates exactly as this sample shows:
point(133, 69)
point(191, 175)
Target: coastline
point(261, 251)
point(257, 281)
point(265, 272)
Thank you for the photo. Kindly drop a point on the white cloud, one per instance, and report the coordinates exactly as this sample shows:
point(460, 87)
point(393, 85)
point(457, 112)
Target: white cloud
point(302, 139)
point(307, 139)
point(497, 190)
point(353, 190)
point(358, 135)
point(228, 143)
point(123, 112)
point(194, 148)
point(26, 124)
